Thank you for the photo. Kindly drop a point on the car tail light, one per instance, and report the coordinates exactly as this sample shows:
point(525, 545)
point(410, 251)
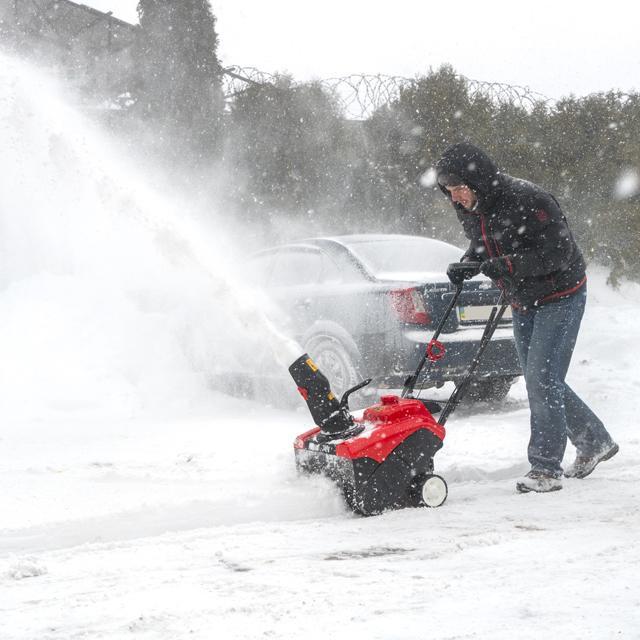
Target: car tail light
point(409, 306)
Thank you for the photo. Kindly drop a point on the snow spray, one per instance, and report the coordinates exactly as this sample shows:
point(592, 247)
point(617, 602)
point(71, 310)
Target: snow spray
point(113, 298)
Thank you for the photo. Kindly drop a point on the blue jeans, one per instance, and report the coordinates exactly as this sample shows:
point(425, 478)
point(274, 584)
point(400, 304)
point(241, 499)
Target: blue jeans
point(545, 338)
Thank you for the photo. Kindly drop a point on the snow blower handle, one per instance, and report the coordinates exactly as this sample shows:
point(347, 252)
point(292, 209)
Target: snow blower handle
point(492, 324)
point(458, 272)
point(344, 401)
point(435, 350)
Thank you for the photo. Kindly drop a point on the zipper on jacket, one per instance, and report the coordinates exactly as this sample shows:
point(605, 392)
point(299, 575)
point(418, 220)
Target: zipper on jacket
point(487, 244)
point(485, 237)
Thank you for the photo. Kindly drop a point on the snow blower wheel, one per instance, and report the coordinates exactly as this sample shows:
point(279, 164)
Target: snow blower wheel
point(429, 491)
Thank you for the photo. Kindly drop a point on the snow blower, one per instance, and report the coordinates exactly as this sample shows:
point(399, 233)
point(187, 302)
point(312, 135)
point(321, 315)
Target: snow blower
point(383, 459)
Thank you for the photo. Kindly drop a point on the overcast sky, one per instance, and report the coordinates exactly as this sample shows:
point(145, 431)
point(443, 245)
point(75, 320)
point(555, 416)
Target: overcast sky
point(554, 47)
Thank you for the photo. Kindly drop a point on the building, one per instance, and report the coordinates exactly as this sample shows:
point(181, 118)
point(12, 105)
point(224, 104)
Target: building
point(93, 49)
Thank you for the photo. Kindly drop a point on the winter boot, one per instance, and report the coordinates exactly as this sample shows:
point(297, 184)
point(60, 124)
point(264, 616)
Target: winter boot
point(584, 465)
point(538, 481)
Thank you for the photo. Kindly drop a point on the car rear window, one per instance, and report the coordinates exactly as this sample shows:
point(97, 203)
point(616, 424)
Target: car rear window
point(405, 255)
point(295, 267)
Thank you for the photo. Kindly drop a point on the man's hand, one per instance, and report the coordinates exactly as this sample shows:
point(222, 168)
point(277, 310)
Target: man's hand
point(497, 268)
point(458, 272)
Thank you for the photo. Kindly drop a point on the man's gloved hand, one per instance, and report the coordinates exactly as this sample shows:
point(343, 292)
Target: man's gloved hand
point(497, 268)
point(458, 272)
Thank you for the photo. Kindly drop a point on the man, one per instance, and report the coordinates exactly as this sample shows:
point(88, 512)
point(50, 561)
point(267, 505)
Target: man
point(520, 239)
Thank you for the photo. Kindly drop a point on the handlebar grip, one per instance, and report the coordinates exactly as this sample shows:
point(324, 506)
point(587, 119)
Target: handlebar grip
point(465, 269)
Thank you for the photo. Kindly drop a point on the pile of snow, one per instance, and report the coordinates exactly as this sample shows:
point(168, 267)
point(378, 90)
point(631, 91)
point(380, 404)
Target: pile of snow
point(27, 567)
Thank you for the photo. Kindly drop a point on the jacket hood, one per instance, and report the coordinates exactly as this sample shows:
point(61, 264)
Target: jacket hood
point(473, 166)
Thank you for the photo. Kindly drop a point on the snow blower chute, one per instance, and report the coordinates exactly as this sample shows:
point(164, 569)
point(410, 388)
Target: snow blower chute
point(384, 459)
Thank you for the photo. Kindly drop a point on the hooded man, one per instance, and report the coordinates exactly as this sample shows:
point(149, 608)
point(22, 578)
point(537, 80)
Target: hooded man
point(521, 240)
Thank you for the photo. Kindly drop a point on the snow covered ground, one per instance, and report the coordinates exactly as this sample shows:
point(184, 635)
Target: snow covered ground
point(137, 503)
point(197, 526)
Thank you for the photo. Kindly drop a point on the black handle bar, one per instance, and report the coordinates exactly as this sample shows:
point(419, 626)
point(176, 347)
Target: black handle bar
point(411, 381)
point(492, 324)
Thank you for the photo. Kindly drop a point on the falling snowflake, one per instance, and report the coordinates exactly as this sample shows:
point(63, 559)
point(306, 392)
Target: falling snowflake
point(627, 185)
point(428, 178)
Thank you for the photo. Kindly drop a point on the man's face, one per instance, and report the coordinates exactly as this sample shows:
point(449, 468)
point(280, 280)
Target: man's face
point(461, 194)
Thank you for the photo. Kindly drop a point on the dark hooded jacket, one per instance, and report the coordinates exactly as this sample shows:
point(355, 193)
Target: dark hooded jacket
point(519, 221)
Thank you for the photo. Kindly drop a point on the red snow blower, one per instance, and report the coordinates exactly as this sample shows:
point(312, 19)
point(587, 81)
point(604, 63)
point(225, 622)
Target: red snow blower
point(384, 459)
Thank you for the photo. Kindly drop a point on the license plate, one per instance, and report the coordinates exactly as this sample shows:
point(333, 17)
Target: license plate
point(479, 313)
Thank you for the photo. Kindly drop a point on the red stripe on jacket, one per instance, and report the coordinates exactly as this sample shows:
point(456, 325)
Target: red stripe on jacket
point(559, 294)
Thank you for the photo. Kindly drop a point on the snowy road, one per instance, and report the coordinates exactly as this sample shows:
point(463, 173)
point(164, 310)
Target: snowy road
point(200, 528)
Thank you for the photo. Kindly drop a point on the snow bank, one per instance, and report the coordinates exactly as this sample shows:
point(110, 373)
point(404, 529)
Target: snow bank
point(25, 567)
